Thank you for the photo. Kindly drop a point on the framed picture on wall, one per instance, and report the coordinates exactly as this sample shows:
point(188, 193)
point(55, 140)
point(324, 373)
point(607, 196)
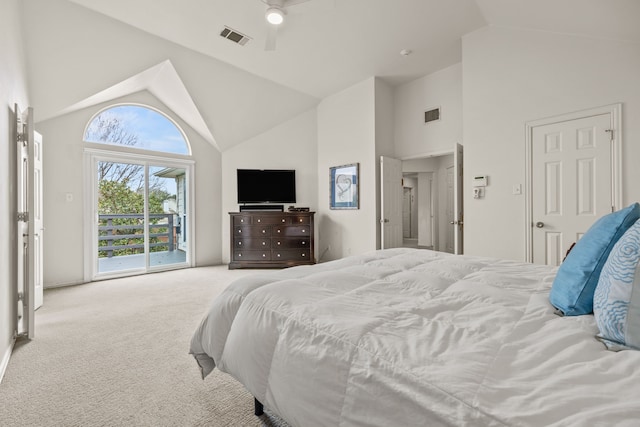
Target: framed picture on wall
point(343, 187)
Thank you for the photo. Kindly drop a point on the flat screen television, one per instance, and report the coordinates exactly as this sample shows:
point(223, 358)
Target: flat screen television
point(266, 186)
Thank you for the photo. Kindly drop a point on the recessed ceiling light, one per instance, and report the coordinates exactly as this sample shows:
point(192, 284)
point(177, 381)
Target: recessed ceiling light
point(406, 52)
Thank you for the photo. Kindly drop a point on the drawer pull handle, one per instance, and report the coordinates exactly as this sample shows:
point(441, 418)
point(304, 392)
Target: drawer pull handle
point(242, 220)
point(239, 243)
point(278, 231)
point(278, 243)
point(282, 219)
point(264, 231)
point(304, 243)
point(300, 220)
point(264, 243)
point(259, 220)
point(303, 255)
point(278, 255)
point(239, 255)
point(239, 231)
point(264, 255)
point(304, 231)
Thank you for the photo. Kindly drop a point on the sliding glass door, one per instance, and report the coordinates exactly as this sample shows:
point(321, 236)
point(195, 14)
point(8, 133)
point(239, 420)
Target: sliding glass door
point(141, 207)
point(167, 216)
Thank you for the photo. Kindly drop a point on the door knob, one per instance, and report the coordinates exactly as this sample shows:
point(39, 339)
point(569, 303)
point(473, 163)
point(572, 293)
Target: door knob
point(539, 224)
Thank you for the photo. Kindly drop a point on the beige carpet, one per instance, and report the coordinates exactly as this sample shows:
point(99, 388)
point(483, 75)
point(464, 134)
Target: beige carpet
point(115, 353)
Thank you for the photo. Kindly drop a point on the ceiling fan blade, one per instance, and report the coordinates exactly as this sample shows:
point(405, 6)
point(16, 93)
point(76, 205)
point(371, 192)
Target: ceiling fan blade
point(272, 33)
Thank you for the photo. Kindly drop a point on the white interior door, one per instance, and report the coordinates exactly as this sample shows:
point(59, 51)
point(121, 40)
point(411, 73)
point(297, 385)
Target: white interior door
point(36, 228)
point(29, 222)
point(571, 182)
point(390, 202)
point(449, 210)
point(458, 207)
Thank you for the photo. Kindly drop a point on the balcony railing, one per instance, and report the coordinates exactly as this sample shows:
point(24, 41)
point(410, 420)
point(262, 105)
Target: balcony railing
point(112, 224)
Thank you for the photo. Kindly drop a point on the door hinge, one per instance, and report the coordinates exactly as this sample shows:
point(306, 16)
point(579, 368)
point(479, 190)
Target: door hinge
point(610, 131)
point(23, 216)
point(22, 136)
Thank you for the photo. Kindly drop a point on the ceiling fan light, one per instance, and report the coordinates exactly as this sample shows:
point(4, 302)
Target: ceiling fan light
point(275, 15)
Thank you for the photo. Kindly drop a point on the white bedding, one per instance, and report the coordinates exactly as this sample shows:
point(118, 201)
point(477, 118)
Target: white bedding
point(407, 337)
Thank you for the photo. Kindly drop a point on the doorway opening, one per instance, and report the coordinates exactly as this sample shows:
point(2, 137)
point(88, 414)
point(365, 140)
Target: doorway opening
point(140, 214)
point(138, 193)
point(431, 208)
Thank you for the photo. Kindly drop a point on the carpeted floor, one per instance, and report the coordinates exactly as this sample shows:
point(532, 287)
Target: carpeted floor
point(115, 353)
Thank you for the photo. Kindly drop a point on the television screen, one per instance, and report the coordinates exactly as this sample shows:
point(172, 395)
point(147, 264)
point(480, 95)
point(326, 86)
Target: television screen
point(266, 186)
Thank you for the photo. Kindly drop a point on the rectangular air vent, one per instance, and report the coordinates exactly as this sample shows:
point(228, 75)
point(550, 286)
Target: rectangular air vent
point(432, 115)
point(234, 36)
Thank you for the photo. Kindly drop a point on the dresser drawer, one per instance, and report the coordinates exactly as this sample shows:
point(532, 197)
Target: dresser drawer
point(291, 231)
point(271, 219)
point(290, 242)
point(252, 231)
point(252, 256)
point(242, 220)
point(292, 254)
point(252, 243)
point(303, 219)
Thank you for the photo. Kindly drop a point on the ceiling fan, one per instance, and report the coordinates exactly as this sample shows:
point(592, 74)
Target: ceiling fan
point(275, 14)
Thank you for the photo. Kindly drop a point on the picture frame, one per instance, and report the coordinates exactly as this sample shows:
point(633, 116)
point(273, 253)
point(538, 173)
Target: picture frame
point(344, 186)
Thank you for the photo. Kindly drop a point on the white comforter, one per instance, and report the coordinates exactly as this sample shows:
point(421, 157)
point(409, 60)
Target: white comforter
point(406, 337)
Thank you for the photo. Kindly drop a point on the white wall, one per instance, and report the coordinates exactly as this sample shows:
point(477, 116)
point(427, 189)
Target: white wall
point(291, 145)
point(346, 134)
point(441, 89)
point(13, 89)
point(511, 77)
point(64, 250)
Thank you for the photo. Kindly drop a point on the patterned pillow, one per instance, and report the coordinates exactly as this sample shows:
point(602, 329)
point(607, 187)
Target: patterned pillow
point(616, 302)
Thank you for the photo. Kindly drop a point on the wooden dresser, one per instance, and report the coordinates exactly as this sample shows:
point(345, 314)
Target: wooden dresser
point(271, 239)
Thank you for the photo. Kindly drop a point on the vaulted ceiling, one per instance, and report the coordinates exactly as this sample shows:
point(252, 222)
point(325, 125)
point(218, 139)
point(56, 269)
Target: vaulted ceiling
point(82, 52)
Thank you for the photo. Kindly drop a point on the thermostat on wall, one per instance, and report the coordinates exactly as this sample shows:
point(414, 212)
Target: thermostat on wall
point(480, 181)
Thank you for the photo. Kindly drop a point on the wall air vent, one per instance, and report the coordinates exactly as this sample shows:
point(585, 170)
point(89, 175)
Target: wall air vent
point(432, 115)
point(234, 36)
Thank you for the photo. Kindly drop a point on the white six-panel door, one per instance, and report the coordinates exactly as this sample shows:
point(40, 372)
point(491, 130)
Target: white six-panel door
point(571, 182)
point(458, 208)
point(30, 228)
point(36, 230)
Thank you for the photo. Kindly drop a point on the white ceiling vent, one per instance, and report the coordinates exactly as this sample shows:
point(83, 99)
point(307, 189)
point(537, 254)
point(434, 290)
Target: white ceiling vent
point(234, 36)
point(432, 115)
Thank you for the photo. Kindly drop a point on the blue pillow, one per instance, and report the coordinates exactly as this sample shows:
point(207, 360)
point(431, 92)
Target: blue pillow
point(616, 302)
point(577, 278)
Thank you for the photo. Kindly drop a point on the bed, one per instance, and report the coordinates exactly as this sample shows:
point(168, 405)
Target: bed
point(406, 337)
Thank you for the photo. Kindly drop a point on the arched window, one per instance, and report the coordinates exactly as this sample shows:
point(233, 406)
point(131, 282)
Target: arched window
point(137, 126)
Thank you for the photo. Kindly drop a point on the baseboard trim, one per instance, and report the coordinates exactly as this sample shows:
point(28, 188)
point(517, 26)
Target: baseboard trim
point(5, 359)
